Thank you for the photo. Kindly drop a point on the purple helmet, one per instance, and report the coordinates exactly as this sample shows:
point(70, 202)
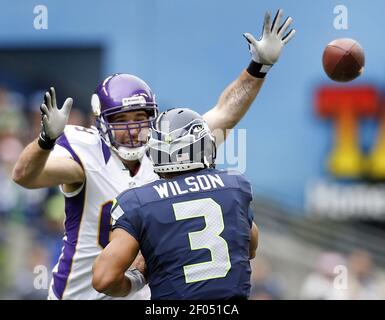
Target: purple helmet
point(117, 94)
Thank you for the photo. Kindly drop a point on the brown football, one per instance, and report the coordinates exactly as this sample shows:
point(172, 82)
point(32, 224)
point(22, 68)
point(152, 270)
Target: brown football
point(343, 60)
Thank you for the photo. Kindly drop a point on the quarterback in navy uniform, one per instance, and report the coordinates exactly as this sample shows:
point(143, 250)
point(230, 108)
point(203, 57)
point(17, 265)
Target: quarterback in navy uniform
point(194, 227)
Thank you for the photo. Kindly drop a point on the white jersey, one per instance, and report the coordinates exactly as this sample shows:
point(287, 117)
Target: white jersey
point(88, 218)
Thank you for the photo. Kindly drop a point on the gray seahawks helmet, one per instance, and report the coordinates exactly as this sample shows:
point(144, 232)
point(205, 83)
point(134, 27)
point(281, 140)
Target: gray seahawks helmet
point(180, 140)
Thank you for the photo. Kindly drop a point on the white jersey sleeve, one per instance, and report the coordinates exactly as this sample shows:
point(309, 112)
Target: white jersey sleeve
point(83, 145)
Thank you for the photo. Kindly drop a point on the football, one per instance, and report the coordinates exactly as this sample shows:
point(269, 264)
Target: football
point(343, 60)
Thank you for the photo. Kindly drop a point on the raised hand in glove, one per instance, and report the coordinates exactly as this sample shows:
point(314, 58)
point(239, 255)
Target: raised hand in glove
point(266, 51)
point(53, 120)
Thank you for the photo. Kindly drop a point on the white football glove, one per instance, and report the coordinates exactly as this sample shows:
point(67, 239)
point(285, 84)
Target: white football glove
point(268, 48)
point(54, 120)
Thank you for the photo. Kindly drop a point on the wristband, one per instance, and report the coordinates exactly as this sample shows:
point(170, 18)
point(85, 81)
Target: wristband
point(136, 278)
point(258, 70)
point(45, 142)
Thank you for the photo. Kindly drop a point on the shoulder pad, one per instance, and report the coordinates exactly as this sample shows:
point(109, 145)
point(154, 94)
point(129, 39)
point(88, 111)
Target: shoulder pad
point(81, 135)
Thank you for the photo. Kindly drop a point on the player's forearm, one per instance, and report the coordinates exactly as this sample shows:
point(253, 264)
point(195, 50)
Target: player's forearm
point(109, 280)
point(237, 98)
point(232, 105)
point(30, 164)
point(119, 289)
point(109, 273)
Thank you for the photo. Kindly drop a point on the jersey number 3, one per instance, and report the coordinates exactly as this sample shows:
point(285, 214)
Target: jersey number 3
point(208, 238)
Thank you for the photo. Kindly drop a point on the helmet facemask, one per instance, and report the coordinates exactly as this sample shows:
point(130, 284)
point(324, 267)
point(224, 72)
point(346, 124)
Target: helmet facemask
point(136, 146)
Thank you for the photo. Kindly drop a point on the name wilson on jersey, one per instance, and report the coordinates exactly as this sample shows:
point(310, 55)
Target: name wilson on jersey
point(193, 184)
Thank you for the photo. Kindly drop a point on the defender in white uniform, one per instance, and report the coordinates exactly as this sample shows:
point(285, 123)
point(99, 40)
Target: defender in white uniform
point(88, 215)
point(93, 166)
point(113, 158)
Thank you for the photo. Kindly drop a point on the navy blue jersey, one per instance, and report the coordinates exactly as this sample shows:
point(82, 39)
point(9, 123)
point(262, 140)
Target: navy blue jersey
point(194, 233)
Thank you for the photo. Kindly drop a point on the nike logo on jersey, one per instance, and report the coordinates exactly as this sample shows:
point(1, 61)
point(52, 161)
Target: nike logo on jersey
point(191, 184)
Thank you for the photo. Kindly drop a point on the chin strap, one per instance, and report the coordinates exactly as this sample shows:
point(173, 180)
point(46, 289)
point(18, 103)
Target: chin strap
point(125, 153)
point(130, 154)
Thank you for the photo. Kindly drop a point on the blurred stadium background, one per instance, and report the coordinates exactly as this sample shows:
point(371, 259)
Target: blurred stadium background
point(312, 217)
